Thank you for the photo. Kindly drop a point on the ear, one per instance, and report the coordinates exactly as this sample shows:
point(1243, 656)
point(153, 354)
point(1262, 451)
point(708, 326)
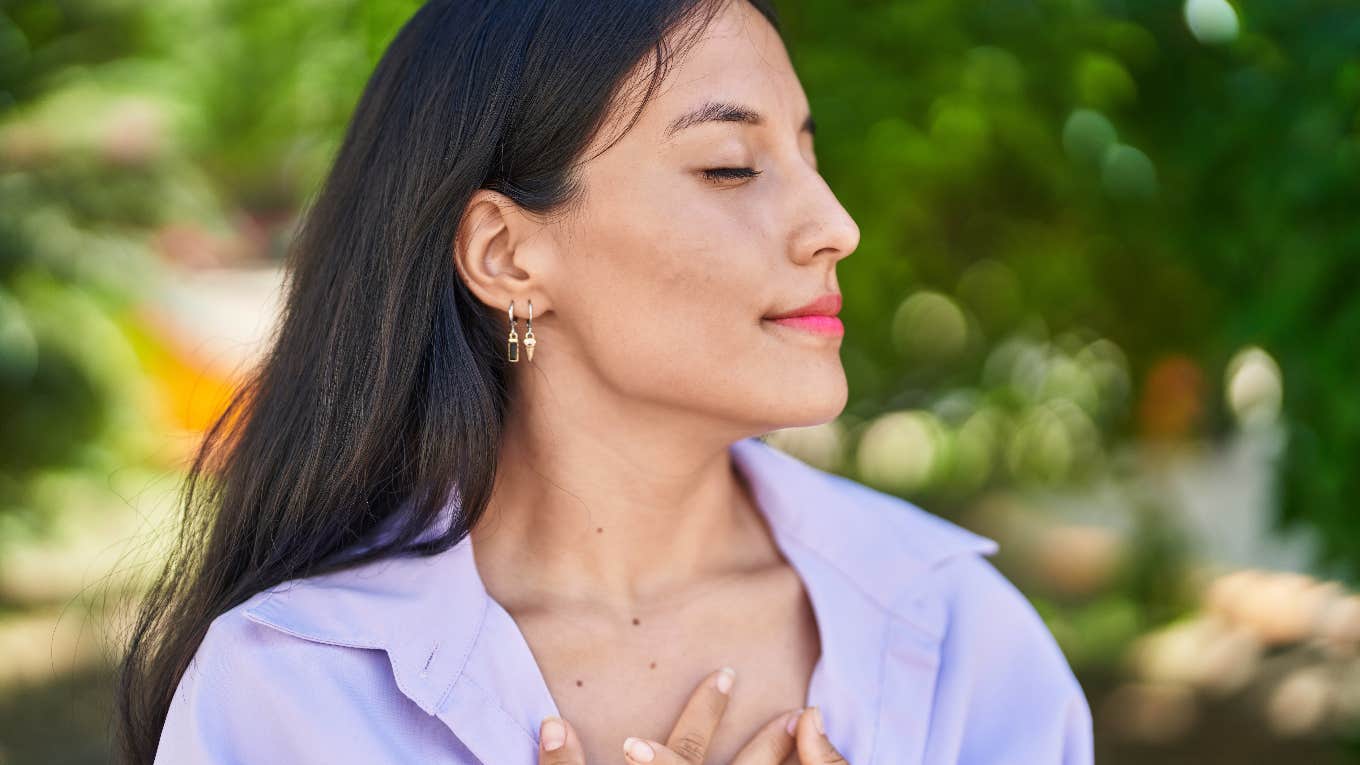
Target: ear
point(497, 255)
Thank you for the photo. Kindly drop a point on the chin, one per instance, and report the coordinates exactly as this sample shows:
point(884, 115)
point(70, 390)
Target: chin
point(806, 406)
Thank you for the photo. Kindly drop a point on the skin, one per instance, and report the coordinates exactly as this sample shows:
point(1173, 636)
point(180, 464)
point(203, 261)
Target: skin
point(619, 536)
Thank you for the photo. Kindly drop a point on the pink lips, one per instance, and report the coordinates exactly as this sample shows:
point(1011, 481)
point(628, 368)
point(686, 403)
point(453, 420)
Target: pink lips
point(817, 317)
point(817, 323)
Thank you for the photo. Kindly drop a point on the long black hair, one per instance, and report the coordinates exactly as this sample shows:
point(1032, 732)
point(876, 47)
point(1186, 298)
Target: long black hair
point(386, 385)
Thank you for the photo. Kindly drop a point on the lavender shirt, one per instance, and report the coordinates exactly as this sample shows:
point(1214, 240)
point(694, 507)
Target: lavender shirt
point(929, 655)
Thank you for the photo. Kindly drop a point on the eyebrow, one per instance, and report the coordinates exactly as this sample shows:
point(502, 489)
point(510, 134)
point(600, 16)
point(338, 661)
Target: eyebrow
point(722, 111)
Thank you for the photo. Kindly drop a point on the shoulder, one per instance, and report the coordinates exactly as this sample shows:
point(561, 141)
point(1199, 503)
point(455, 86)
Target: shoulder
point(964, 649)
point(875, 538)
point(1003, 684)
point(923, 568)
point(242, 653)
point(898, 552)
point(236, 640)
point(946, 584)
point(915, 564)
point(1005, 690)
point(952, 568)
point(257, 694)
point(989, 615)
point(929, 558)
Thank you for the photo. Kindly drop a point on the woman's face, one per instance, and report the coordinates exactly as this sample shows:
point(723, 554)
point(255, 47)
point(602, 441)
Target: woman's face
point(664, 277)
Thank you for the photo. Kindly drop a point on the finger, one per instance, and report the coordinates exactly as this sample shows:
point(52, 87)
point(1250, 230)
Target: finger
point(558, 743)
point(694, 729)
point(644, 751)
point(772, 743)
point(814, 748)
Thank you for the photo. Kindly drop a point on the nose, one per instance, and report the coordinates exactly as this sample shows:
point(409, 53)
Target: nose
point(824, 228)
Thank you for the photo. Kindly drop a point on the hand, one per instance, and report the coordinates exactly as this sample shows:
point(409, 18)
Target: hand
point(689, 739)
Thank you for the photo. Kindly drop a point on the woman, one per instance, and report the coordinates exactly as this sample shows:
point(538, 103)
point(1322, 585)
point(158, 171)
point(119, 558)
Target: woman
point(497, 495)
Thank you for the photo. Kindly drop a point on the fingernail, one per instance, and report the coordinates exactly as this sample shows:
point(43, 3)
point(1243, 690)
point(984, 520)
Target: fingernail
point(553, 734)
point(638, 749)
point(817, 718)
point(725, 678)
point(792, 724)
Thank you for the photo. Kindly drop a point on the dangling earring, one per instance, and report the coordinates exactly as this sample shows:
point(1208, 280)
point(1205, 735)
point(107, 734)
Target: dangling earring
point(529, 341)
point(512, 349)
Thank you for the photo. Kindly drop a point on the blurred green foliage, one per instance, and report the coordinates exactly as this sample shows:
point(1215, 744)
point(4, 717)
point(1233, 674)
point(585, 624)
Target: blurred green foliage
point(72, 218)
point(1098, 165)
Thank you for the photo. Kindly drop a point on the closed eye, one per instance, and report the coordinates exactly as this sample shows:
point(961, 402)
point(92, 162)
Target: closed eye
point(730, 173)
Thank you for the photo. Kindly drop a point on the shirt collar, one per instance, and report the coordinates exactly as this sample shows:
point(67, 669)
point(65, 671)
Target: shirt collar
point(459, 655)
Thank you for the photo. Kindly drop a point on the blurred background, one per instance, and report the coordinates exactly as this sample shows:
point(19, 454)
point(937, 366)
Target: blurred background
point(1106, 310)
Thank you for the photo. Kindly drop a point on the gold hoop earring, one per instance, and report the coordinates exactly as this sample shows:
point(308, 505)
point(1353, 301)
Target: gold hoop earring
point(529, 341)
point(512, 347)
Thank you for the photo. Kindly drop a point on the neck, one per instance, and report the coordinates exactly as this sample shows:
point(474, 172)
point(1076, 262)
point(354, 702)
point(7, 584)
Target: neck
point(615, 518)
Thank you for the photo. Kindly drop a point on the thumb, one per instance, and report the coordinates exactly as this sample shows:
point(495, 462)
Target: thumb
point(558, 743)
point(814, 748)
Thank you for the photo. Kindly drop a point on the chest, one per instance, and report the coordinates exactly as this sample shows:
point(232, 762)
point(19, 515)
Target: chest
point(612, 680)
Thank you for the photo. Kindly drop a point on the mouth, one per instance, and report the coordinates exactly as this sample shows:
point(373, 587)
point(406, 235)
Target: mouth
point(818, 324)
point(817, 317)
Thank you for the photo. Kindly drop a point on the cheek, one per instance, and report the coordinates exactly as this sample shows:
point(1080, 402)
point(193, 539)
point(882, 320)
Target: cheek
point(667, 288)
point(665, 310)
